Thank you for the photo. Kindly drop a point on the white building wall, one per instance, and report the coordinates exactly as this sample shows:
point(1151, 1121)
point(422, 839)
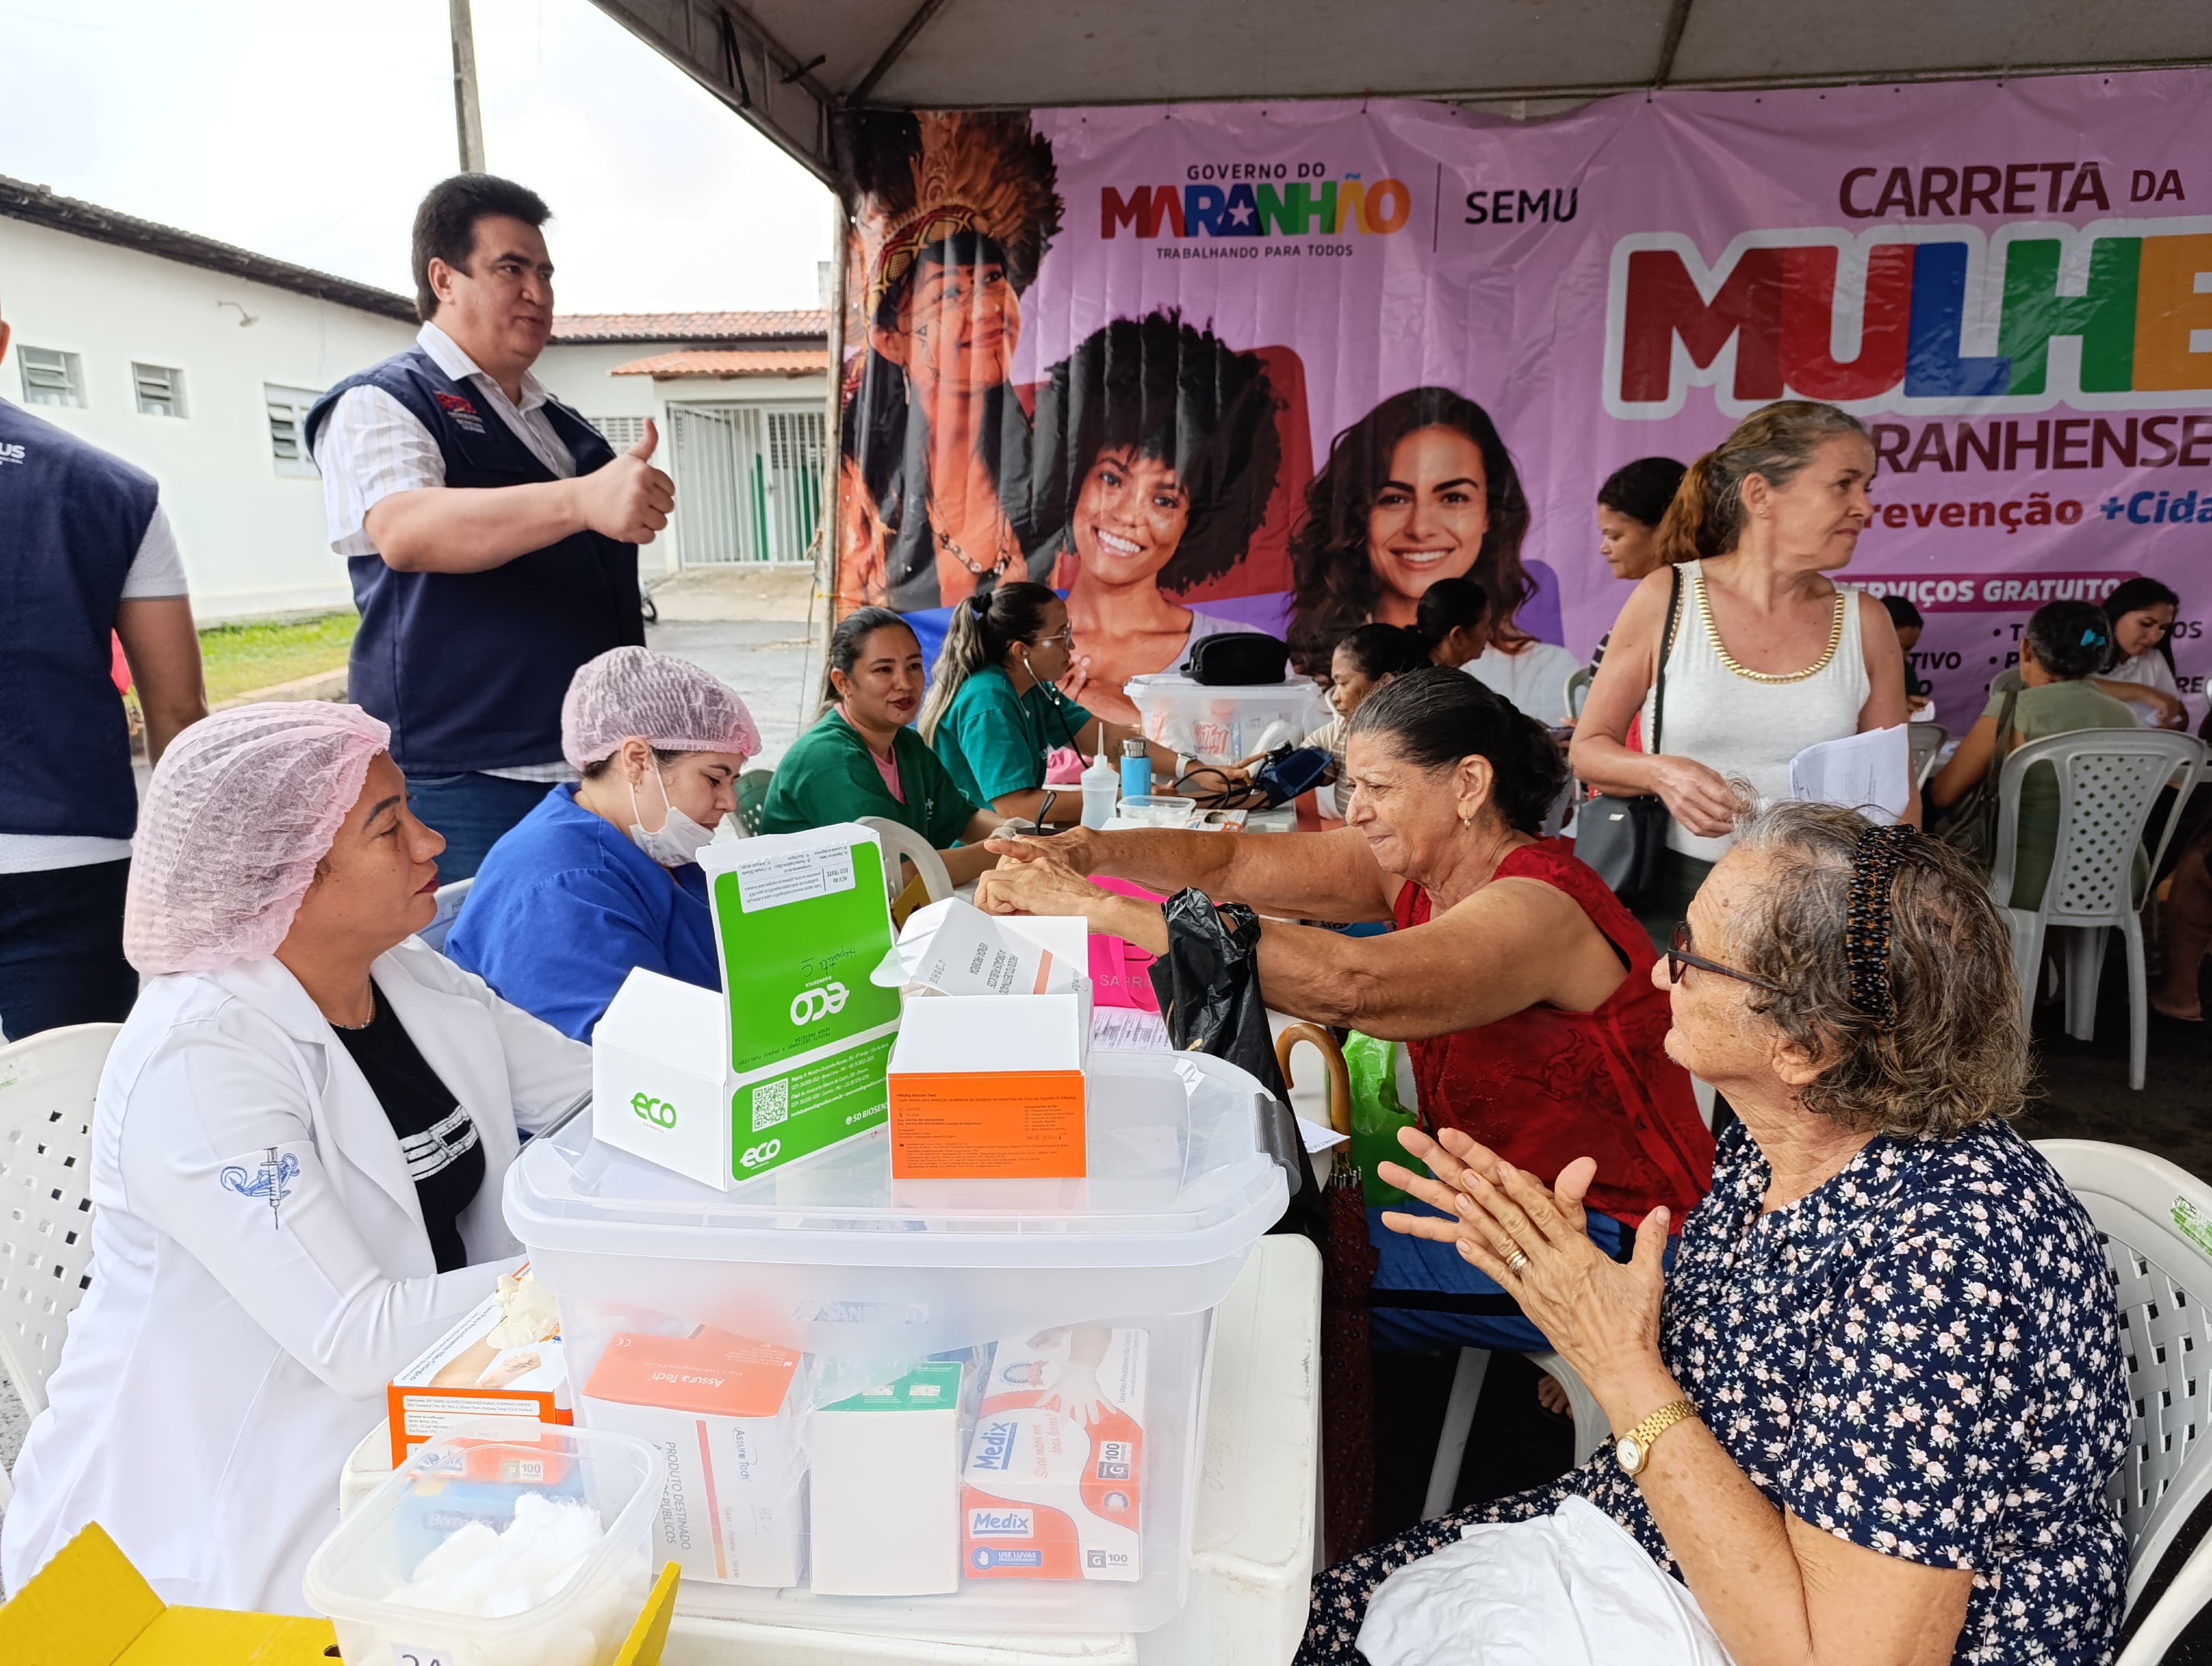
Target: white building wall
point(254, 541)
point(580, 375)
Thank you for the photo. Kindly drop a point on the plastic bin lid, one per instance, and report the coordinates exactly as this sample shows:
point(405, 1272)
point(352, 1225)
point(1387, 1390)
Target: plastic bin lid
point(1174, 685)
point(1179, 1177)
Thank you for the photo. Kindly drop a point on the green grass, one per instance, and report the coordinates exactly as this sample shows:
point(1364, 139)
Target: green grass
point(240, 657)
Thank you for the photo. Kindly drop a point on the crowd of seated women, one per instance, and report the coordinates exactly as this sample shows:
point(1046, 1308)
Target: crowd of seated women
point(1861, 1350)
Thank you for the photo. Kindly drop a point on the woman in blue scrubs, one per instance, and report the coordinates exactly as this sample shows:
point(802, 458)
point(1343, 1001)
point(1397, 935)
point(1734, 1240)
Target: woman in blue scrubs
point(602, 875)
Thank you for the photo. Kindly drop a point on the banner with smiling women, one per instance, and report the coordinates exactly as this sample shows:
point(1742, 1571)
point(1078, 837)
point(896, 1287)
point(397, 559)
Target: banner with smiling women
point(1282, 367)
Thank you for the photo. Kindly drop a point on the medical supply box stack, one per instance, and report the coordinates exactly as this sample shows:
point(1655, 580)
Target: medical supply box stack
point(922, 1406)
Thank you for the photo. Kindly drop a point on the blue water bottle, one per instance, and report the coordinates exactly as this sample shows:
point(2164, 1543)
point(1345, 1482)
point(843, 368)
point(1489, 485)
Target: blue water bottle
point(1136, 769)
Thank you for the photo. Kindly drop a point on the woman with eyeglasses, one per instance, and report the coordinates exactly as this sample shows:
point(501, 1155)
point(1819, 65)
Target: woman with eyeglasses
point(994, 717)
point(1521, 983)
point(1870, 1412)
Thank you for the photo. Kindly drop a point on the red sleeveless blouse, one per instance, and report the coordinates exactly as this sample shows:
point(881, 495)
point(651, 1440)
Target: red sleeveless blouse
point(1544, 1086)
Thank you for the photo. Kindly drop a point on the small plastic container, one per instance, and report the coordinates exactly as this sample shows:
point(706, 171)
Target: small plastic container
point(1157, 810)
point(1226, 725)
point(869, 1278)
point(481, 1474)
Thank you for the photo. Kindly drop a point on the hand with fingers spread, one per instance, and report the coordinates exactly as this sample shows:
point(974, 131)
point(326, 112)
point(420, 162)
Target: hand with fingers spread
point(1600, 1315)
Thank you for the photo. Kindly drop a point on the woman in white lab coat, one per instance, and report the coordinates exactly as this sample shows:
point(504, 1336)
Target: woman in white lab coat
point(298, 1147)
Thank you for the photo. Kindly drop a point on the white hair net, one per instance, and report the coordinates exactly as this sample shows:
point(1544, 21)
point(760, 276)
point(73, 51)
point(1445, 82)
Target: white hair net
point(241, 809)
point(664, 701)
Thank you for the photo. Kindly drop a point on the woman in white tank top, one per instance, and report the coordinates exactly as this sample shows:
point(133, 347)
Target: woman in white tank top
point(1768, 656)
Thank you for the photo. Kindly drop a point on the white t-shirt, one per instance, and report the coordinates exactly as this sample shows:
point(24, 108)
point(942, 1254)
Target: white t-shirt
point(1534, 679)
point(157, 570)
point(2149, 670)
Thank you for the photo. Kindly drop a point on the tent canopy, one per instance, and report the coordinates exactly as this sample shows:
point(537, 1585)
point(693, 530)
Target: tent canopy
point(785, 64)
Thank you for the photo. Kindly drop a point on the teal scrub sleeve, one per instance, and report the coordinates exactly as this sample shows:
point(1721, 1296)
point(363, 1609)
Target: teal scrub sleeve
point(1002, 755)
point(583, 937)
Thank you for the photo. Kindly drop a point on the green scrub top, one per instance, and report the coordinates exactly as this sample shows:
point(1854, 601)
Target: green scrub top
point(993, 741)
point(829, 776)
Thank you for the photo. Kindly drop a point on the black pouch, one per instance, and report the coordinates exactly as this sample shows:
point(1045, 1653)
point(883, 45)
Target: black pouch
point(1238, 659)
point(1208, 985)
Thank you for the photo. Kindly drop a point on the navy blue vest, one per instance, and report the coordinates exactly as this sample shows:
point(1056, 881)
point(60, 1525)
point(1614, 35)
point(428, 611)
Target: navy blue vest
point(470, 668)
point(71, 519)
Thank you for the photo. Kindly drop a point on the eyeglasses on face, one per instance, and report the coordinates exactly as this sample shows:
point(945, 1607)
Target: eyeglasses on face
point(1063, 637)
point(1679, 956)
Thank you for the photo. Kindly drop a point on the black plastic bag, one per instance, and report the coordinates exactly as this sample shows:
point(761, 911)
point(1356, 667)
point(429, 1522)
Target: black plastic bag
point(1208, 985)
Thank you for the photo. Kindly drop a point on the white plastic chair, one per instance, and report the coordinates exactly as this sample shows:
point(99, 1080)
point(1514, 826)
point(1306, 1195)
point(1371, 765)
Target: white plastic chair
point(1927, 741)
point(1591, 1427)
point(1578, 687)
point(2108, 783)
point(46, 1087)
point(900, 840)
point(450, 898)
point(2155, 1222)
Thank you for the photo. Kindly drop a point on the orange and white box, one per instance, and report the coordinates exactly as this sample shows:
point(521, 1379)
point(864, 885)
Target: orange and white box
point(719, 1409)
point(1053, 1484)
point(502, 1359)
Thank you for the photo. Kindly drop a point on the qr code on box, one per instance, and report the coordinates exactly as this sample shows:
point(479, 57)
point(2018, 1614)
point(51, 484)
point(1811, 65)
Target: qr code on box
point(771, 1104)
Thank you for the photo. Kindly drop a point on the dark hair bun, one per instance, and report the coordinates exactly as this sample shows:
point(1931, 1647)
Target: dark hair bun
point(1436, 716)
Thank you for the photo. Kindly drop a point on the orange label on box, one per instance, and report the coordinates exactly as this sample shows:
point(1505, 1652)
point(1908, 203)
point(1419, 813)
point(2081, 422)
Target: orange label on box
point(994, 1124)
point(714, 1372)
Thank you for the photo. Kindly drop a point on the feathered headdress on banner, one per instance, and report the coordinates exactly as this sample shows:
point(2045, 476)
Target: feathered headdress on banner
point(916, 180)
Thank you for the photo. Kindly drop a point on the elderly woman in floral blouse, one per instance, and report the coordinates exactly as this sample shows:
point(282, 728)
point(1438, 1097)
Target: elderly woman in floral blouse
point(1869, 1416)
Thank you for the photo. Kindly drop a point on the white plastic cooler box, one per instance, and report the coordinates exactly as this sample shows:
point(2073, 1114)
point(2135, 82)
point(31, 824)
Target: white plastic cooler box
point(815, 1321)
point(1226, 723)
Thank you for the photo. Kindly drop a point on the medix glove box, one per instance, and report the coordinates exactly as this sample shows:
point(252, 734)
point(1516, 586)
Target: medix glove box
point(789, 1056)
point(1055, 1476)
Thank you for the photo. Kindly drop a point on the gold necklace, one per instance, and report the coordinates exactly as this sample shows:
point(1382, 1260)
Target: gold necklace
point(1727, 660)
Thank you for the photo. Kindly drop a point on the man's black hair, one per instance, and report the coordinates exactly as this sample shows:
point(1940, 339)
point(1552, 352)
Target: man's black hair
point(445, 224)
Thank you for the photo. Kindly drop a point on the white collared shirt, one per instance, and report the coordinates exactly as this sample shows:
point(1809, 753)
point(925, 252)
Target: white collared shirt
point(370, 445)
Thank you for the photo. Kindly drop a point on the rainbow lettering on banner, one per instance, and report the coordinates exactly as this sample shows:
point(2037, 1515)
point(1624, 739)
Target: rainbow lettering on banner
point(1943, 322)
point(1293, 207)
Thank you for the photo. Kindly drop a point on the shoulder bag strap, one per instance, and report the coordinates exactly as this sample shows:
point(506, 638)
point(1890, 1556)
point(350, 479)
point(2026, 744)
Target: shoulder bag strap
point(1666, 647)
point(2000, 744)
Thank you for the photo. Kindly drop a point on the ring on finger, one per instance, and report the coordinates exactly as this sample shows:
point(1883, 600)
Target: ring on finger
point(1517, 1261)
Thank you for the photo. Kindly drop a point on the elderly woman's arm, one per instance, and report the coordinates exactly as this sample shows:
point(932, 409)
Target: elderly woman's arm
point(1514, 942)
point(1312, 875)
point(1778, 1590)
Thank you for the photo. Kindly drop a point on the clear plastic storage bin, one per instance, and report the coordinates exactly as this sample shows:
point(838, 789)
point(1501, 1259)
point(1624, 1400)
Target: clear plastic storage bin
point(1226, 725)
point(478, 1481)
point(782, 1312)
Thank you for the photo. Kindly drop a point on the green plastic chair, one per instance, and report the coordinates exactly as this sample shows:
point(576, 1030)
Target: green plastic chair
point(752, 795)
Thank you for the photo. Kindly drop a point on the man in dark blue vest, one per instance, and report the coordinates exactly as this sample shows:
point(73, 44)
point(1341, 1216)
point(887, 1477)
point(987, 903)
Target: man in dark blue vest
point(85, 552)
point(491, 533)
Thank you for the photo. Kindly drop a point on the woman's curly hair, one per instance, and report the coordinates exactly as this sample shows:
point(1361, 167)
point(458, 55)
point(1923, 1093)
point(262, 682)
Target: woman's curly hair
point(1957, 1052)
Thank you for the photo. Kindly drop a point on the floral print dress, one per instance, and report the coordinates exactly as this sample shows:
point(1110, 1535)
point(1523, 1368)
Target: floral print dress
point(1922, 1357)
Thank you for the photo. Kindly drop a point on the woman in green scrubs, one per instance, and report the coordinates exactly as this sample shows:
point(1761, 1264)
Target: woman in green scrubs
point(861, 759)
point(992, 712)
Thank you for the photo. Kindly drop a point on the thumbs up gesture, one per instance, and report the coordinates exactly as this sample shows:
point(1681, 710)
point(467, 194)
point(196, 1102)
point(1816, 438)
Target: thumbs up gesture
point(628, 499)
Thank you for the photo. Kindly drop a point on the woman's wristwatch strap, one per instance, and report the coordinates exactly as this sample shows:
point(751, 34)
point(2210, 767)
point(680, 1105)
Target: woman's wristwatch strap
point(1633, 1449)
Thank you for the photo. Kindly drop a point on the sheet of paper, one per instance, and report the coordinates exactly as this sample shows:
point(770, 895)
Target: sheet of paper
point(1127, 1029)
point(956, 948)
point(1318, 1136)
point(1871, 773)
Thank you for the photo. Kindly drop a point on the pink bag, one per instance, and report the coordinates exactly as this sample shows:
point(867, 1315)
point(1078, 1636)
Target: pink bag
point(1063, 766)
point(1121, 972)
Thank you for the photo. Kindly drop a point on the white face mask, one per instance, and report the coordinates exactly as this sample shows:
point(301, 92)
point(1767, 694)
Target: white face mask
point(679, 839)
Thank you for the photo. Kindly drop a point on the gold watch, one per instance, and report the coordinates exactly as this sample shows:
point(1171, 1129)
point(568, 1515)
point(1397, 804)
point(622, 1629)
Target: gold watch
point(1633, 1449)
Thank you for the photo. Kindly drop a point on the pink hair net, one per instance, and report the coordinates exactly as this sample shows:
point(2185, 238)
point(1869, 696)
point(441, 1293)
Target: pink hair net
point(664, 701)
point(241, 809)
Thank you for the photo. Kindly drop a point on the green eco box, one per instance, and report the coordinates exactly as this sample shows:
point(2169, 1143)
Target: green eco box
point(790, 1057)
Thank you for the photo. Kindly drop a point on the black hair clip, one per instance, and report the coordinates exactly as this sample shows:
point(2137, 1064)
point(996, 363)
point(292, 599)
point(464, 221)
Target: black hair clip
point(1866, 920)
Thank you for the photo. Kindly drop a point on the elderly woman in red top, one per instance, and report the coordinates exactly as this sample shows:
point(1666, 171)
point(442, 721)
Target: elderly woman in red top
point(1523, 985)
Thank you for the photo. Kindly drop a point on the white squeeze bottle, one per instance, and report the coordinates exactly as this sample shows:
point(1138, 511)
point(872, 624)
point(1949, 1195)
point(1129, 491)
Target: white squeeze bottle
point(1102, 786)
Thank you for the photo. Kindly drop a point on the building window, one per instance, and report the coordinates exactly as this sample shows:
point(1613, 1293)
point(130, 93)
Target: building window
point(620, 432)
point(288, 428)
point(161, 389)
point(50, 377)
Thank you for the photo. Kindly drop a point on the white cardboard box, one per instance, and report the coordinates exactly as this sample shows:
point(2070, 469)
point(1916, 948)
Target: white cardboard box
point(883, 1492)
point(789, 1057)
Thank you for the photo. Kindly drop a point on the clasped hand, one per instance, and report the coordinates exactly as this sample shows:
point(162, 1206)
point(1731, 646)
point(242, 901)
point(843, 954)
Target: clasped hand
point(1600, 1315)
point(1039, 876)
